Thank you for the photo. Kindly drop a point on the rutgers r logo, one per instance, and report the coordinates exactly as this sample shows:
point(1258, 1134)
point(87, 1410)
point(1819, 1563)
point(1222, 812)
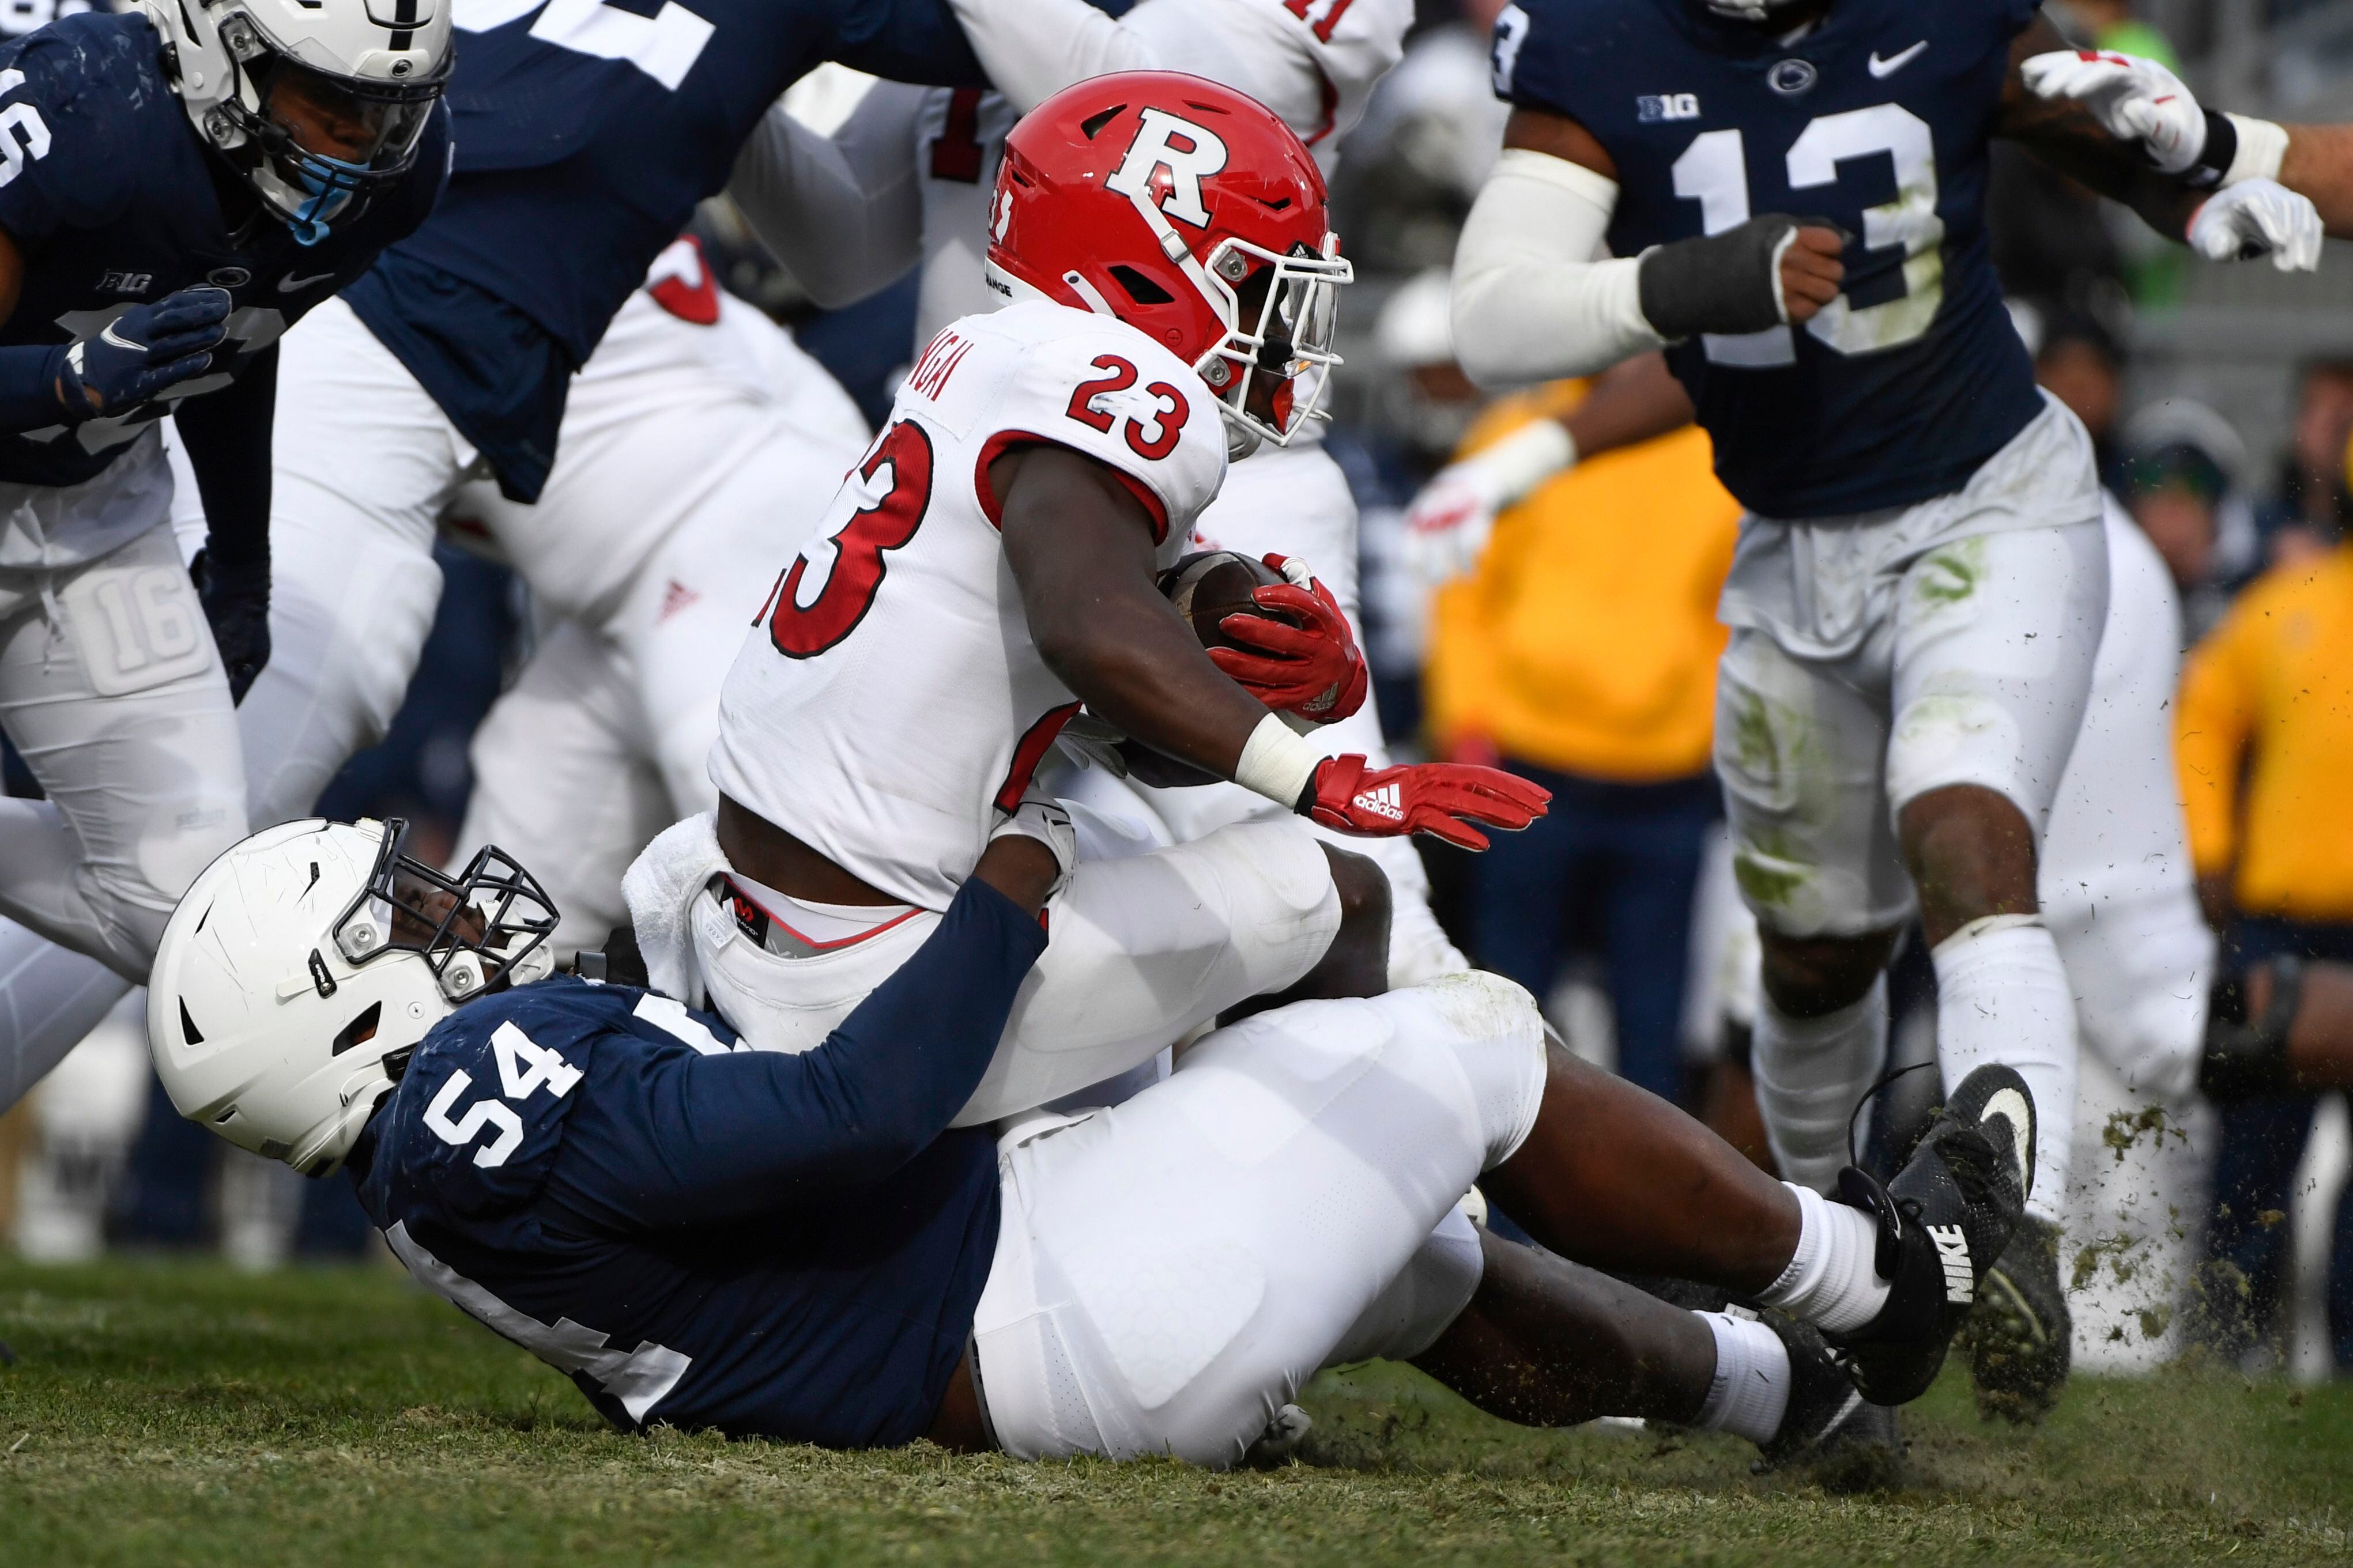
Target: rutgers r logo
point(1186, 153)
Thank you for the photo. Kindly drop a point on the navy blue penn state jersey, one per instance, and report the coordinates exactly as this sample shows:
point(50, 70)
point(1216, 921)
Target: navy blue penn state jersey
point(587, 130)
point(1877, 120)
point(766, 1245)
point(113, 202)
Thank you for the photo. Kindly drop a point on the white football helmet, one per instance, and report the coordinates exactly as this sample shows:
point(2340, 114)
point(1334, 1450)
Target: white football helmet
point(369, 71)
point(303, 966)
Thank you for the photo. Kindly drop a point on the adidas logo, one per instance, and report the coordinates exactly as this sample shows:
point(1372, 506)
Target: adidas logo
point(1386, 801)
point(1952, 1252)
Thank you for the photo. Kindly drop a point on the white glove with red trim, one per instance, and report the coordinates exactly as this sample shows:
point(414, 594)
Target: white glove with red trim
point(2135, 100)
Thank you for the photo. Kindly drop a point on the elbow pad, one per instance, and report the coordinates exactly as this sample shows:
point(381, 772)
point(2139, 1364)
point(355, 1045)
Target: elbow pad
point(1728, 282)
point(1531, 300)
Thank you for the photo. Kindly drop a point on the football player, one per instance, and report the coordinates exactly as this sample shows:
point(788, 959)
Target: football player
point(796, 1245)
point(697, 440)
point(907, 179)
point(177, 184)
point(1795, 190)
point(585, 134)
point(989, 568)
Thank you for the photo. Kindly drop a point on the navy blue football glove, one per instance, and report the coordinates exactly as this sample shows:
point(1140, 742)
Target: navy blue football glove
point(236, 604)
point(142, 351)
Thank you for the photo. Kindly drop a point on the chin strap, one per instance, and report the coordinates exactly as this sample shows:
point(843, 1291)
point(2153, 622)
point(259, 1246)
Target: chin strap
point(2243, 1060)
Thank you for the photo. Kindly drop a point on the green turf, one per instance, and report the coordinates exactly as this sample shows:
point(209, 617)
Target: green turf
point(174, 1412)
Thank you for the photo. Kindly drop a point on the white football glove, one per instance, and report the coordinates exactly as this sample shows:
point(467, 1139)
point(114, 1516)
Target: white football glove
point(1045, 820)
point(2135, 100)
point(1448, 524)
point(2258, 217)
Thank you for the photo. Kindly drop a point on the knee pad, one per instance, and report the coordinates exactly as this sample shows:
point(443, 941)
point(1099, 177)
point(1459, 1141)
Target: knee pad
point(2244, 1058)
point(1499, 1038)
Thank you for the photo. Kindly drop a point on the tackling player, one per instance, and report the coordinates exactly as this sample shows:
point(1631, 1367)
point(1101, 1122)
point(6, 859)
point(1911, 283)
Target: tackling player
point(1918, 596)
point(908, 179)
point(989, 568)
point(176, 186)
point(793, 1246)
point(585, 133)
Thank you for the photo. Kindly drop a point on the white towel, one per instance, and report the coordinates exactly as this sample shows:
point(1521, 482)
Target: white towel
point(660, 886)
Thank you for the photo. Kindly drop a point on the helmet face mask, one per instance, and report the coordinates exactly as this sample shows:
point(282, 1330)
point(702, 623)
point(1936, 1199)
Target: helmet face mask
point(474, 931)
point(1193, 214)
point(1272, 371)
point(320, 107)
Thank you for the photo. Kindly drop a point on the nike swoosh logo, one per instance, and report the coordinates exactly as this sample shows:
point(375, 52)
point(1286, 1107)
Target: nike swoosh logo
point(107, 334)
point(1894, 62)
point(290, 283)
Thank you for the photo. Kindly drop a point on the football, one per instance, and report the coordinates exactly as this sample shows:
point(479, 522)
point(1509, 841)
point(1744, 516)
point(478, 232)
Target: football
point(1210, 584)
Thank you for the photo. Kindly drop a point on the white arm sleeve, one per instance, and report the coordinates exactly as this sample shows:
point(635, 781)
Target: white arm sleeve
point(844, 213)
point(1531, 301)
point(1034, 48)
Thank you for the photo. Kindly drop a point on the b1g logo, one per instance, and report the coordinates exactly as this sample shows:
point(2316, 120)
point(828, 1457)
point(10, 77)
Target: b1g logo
point(1186, 153)
point(1651, 108)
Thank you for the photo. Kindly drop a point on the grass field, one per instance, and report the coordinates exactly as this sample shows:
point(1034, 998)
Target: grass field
point(177, 1412)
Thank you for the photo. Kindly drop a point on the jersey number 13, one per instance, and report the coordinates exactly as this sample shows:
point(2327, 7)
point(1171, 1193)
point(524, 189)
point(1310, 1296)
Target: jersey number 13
point(1714, 172)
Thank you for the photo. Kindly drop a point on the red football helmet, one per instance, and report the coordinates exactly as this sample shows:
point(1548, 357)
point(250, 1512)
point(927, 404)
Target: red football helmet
point(1169, 201)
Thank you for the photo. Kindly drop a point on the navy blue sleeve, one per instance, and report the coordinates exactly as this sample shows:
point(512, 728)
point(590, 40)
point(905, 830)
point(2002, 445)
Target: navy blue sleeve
point(226, 433)
point(906, 40)
point(690, 1139)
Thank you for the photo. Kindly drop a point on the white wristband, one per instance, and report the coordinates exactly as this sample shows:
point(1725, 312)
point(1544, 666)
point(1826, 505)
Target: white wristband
point(1277, 764)
point(2262, 145)
point(1521, 460)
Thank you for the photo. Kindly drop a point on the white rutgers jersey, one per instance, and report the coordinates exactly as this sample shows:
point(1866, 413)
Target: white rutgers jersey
point(889, 704)
point(1314, 62)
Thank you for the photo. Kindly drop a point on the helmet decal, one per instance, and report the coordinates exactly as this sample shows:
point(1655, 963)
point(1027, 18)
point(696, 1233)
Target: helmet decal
point(1189, 153)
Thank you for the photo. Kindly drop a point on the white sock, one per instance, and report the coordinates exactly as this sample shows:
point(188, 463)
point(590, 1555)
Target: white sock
point(1750, 1390)
point(1809, 1073)
point(2002, 996)
point(1832, 1281)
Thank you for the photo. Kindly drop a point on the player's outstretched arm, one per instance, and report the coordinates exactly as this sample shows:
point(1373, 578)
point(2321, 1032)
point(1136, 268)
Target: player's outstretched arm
point(2318, 163)
point(699, 1140)
point(1448, 524)
point(2129, 129)
point(1034, 48)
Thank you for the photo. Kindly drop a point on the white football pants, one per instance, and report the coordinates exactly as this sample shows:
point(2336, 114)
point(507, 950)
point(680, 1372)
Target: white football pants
point(1141, 951)
point(113, 690)
point(1874, 660)
point(1171, 1271)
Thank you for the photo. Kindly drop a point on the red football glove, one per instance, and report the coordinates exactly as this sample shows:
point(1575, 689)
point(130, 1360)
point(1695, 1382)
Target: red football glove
point(1435, 798)
point(1314, 671)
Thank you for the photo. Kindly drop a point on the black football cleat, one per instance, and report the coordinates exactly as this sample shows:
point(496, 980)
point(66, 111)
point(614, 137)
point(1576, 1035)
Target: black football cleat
point(2021, 1340)
point(1943, 1220)
point(1829, 1429)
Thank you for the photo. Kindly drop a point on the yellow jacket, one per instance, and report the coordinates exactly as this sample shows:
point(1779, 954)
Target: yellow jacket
point(1586, 640)
point(2263, 737)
